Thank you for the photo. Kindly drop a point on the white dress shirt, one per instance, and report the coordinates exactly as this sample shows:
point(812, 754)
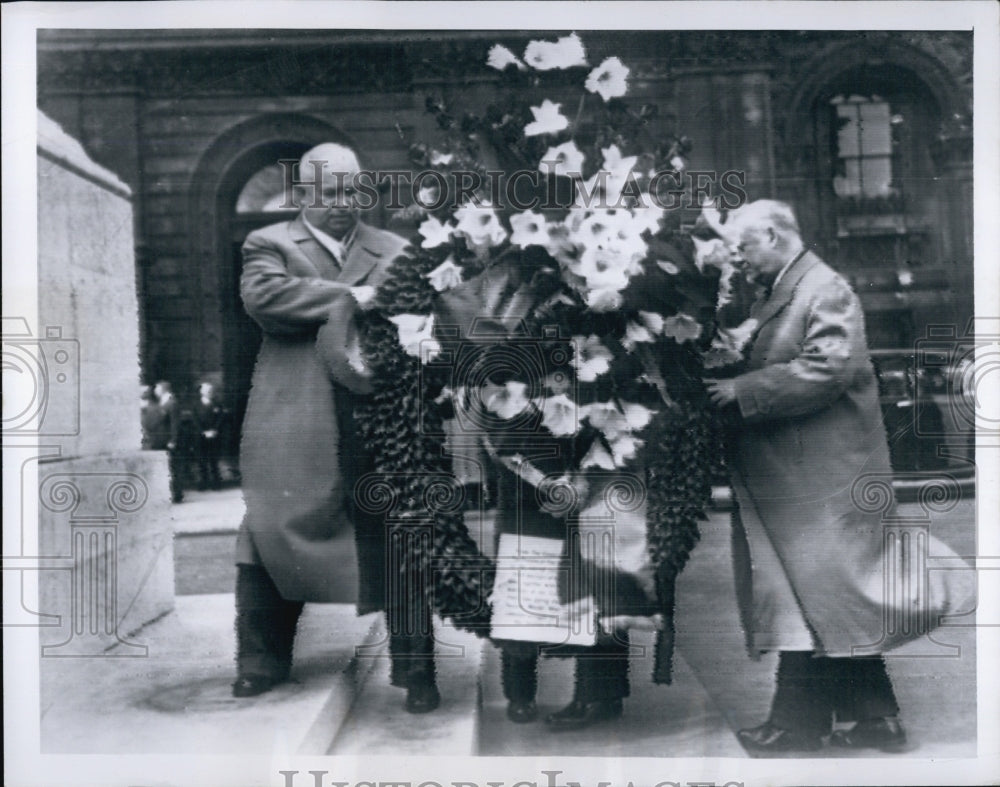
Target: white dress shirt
point(338, 248)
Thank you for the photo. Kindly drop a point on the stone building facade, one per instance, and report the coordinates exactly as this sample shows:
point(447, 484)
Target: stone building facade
point(868, 134)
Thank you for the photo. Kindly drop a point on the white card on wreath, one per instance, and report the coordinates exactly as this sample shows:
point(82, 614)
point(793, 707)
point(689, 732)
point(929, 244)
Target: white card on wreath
point(525, 597)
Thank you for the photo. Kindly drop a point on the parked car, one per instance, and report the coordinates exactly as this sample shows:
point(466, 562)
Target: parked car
point(922, 424)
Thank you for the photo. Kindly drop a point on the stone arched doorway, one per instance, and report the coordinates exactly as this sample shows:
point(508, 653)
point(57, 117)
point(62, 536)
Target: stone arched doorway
point(873, 193)
point(231, 197)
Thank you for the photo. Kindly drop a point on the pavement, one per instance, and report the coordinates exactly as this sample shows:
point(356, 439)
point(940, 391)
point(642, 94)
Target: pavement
point(177, 699)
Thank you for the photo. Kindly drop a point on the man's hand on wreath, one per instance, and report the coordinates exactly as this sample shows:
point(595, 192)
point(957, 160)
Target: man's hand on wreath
point(365, 296)
point(721, 392)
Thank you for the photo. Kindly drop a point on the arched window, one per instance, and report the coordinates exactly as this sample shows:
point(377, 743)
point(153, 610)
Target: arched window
point(865, 147)
point(878, 195)
point(267, 191)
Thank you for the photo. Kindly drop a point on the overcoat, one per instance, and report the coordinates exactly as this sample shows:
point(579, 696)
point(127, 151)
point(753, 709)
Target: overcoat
point(822, 562)
point(299, 457)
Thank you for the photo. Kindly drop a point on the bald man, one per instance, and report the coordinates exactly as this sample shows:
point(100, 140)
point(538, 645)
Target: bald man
point(300, 457)
point(817, 578)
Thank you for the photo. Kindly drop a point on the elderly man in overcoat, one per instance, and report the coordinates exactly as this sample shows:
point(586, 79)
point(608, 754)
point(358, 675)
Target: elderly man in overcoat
point(816, 576)
point(300, 457)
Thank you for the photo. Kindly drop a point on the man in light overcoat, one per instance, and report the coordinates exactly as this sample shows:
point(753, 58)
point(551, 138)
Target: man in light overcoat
point(818, 574)
point(300, 456)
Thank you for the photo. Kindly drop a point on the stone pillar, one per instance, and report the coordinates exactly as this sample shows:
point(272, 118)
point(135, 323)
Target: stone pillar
point(105, 539)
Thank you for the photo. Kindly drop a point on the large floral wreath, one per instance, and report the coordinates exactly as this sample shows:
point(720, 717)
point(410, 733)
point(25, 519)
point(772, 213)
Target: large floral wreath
point(618, 299)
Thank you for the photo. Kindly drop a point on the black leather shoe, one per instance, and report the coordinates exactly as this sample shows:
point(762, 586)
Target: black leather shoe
point(252, 685)
point(579, 714)
point(768, 738)
point(422, 698)
point(885, 734)
point(522, 711)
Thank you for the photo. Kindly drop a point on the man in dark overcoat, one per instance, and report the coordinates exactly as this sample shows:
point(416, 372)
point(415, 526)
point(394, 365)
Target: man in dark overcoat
point(299, 456)
point(817, 573)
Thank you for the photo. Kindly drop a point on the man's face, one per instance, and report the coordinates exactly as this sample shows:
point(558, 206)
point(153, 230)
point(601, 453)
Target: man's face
point(758, 250)
point(335, 211)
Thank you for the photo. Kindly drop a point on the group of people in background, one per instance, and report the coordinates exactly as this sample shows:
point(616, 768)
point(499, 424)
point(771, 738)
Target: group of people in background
point(198, 433)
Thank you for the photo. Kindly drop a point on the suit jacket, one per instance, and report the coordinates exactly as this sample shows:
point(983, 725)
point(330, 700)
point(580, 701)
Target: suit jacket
point(296, 479)
point(817, 557)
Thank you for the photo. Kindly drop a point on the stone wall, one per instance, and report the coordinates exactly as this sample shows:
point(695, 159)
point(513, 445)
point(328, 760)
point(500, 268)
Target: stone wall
point(105, 533)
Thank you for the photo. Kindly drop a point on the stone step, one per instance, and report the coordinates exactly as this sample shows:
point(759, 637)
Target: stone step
point(378, 724)
point(177, 699)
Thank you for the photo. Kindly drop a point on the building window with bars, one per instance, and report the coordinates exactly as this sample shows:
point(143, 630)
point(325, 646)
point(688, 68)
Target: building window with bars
point(866, 148)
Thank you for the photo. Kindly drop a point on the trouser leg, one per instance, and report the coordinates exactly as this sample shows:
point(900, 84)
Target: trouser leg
point(861, 689)
point(602, 672)
point(519, 676)
point(802, 695)
point(411, 645)
point(265, 624)
point(176, 469)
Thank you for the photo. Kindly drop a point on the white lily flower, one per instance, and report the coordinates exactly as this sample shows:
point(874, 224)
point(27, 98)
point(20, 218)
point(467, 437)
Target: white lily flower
point(624, 448)
point(591, 358)
point(565, 159)
point(529, 229)
point(637, 416)
point(567, 52)
point(508, 400)
point(548, 120)
point(559, 415)
point(603, 269)
point(682, 327)
point(604, 300)
point(647, 218)
point(652, 321)
point(609, 79)
point(416, 335)
point(598, 456)
point(615, 162)
point(479, 223)
point(445, 276)
point(635, 333)
point(500, 57)
point(712, 252)
point(435, 233)
point(606, 418)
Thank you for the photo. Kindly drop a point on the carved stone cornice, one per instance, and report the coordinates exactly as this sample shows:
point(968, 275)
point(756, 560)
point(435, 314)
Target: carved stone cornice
point(166, 72)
